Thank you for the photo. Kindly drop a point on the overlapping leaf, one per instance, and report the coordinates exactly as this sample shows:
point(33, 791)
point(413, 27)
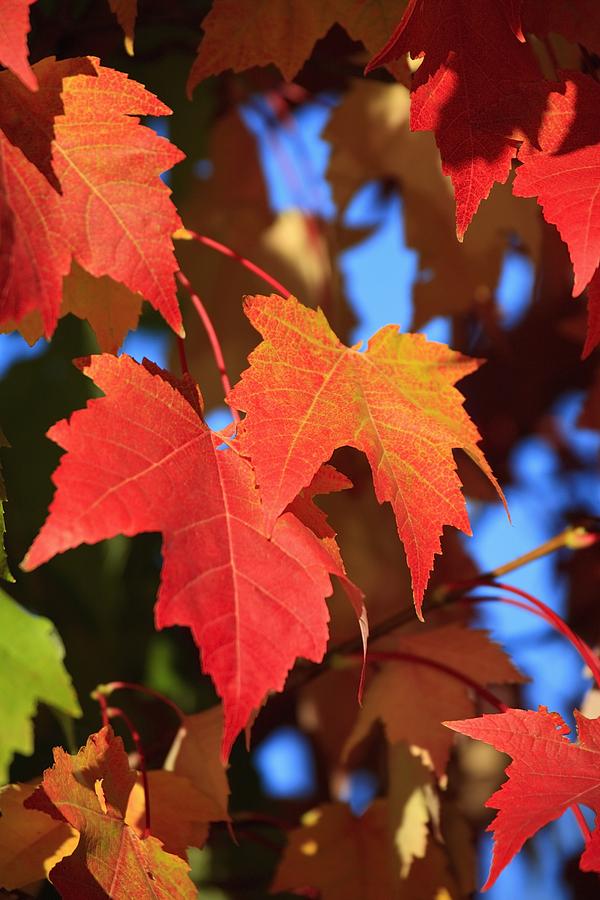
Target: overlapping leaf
point(474, 62)
point(562, 169)
point(238, 36)
point(30, 843)
point(390, 697)
point(547, 775)
point(111, 309)
point(31, 671)
point(577, 20)
point(370, 138)
point(195, 755)
point(80, 177)
point(346, 857)
point(90, 792)
point(305, 394)
point(180, 813)
point(14, 28)
point(142, 459)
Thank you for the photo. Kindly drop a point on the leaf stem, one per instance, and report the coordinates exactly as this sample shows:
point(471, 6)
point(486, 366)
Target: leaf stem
point(559, 623)
point(100, 697)
point(107, 689)
point(227, 251)
point(212, 337)
point(401, 656)
point(114, 712)
point(185, 369)
point(587, 834)
point(544, 612)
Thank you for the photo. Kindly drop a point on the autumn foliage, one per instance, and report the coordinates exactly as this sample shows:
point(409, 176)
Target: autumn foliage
point(304, 553)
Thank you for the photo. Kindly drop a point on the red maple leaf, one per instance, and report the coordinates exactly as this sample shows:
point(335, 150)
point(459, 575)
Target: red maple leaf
point(14, 28)
point(90, 791)
point(475, 61)
point(563, 171)
point(91, 174)
point(548, 774)
point(142, 459)
point(32, 229)
point(306, 394)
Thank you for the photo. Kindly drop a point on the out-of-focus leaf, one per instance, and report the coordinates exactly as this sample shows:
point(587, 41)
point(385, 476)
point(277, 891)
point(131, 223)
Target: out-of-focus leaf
point(31, 671)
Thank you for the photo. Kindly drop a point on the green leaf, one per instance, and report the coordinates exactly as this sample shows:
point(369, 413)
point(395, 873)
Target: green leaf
point(31, 670)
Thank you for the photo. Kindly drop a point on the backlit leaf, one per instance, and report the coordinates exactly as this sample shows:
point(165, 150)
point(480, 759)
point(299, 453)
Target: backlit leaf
point(547, 775)
point(142, 459)
point(90, 792)
point(31, 671)
point(305, 394)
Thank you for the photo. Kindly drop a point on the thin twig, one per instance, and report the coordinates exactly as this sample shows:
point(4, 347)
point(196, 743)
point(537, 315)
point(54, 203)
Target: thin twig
point(107, 689)
point(574, 537)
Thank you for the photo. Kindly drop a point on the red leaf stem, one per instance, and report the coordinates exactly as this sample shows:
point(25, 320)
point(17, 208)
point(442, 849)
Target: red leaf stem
point(185, 370)
point(97, 695)
point(483, 692)
point(587, 834)
point(584, 649)
point(246, 263)
point(212, 337)
point(114, 712)
point(538, 608)
point(112, 686)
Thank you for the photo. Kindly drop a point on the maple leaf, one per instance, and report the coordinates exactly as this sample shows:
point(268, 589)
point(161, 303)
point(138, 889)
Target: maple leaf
point(305, 394)
point(474, 61)
point(36, 255)
point(370, 139)
point(548, 774)
point(110, 210)
point(577, 20)
point(180, 813)
point(30, 843)
point(345, 856)
point(14, 28)
point(238, 36)
point(142, 459)
point(126, 13)
point(111, 309)
point(563, 171)
point(90, 791)
point(390, 694)
point(31, 671)
point(195, 755)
